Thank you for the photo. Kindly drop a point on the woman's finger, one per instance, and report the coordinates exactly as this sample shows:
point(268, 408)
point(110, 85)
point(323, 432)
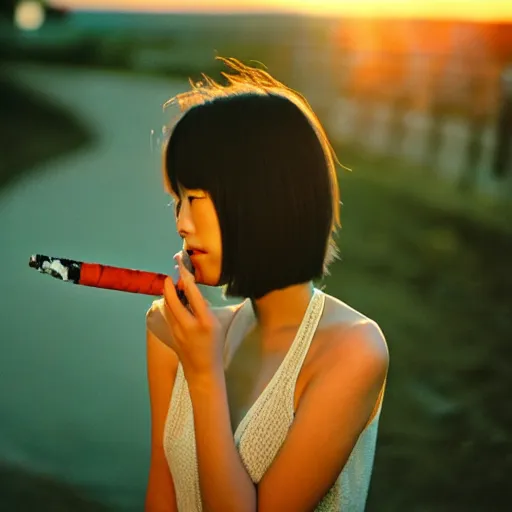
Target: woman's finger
point(179, 316)
point(194, 295)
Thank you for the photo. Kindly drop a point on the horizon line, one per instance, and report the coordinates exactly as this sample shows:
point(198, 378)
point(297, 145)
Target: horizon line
point(496, 11)
point(294, 12)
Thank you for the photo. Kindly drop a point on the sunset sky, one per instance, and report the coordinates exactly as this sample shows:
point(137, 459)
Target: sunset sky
point(495, 10)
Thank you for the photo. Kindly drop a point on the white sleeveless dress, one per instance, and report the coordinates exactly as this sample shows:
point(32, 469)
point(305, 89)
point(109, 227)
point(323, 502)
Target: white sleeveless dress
point(263, 429)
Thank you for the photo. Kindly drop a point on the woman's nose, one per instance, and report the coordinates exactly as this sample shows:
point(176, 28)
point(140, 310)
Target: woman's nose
point(184, 222)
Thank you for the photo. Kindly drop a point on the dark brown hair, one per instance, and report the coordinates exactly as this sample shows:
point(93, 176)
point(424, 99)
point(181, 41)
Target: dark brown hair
point(260, 152)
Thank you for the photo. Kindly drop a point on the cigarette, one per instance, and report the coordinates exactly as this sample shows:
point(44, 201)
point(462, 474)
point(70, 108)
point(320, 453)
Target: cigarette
point(106, 276)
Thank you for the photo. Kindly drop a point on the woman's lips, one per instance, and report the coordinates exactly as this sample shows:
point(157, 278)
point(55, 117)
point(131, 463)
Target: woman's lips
point(194, 254)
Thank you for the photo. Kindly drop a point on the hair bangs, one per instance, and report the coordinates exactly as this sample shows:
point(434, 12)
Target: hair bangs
point(185, 165)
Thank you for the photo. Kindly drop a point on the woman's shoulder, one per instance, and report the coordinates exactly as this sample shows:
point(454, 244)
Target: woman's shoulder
point(341, 313)
point(224, 314)
point(348, 333)
point(341, 317)
point(349, 348)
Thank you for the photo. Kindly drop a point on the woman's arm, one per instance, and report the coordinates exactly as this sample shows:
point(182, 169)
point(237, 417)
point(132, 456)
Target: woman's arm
point(162, 364)
point(334, 410)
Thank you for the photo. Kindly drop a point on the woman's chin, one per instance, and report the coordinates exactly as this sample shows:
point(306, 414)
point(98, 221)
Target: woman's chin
point(206, 271)
point(204, 280)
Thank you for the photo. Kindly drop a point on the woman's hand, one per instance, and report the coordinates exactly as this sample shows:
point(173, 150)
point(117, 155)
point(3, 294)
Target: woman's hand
point(194, 336)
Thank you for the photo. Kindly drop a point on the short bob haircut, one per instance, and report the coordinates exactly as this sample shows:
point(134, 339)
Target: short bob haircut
point(256, 147)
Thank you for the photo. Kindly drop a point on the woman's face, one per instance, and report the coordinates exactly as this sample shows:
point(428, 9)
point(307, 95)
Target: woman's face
point(198, 225)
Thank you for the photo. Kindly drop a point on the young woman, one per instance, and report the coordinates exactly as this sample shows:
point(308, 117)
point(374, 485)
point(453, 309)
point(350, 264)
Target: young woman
point(273, 404)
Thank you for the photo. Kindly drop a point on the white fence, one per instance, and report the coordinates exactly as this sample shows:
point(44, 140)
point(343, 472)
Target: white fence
point(375, 126)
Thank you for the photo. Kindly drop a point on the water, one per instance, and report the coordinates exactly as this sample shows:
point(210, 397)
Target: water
point(73, 388)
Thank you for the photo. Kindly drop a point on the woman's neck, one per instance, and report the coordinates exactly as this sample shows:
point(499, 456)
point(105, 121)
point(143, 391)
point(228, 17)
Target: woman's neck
point(283, 309)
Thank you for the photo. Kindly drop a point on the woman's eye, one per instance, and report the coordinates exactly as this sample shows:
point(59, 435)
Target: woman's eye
point(177, 204)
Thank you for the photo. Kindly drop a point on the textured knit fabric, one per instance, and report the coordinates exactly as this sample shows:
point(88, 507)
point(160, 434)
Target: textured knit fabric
point(263, 430)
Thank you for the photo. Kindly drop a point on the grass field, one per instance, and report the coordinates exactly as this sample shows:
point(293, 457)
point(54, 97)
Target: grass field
point(433, 268)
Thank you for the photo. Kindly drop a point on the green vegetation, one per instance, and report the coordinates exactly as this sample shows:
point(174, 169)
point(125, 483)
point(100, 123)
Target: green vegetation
point(432, 267)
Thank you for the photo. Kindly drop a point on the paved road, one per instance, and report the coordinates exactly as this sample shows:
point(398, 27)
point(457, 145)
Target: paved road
point(73, 392)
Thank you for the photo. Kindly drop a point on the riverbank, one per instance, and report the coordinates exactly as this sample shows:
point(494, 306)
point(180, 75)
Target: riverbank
point(34, 130)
